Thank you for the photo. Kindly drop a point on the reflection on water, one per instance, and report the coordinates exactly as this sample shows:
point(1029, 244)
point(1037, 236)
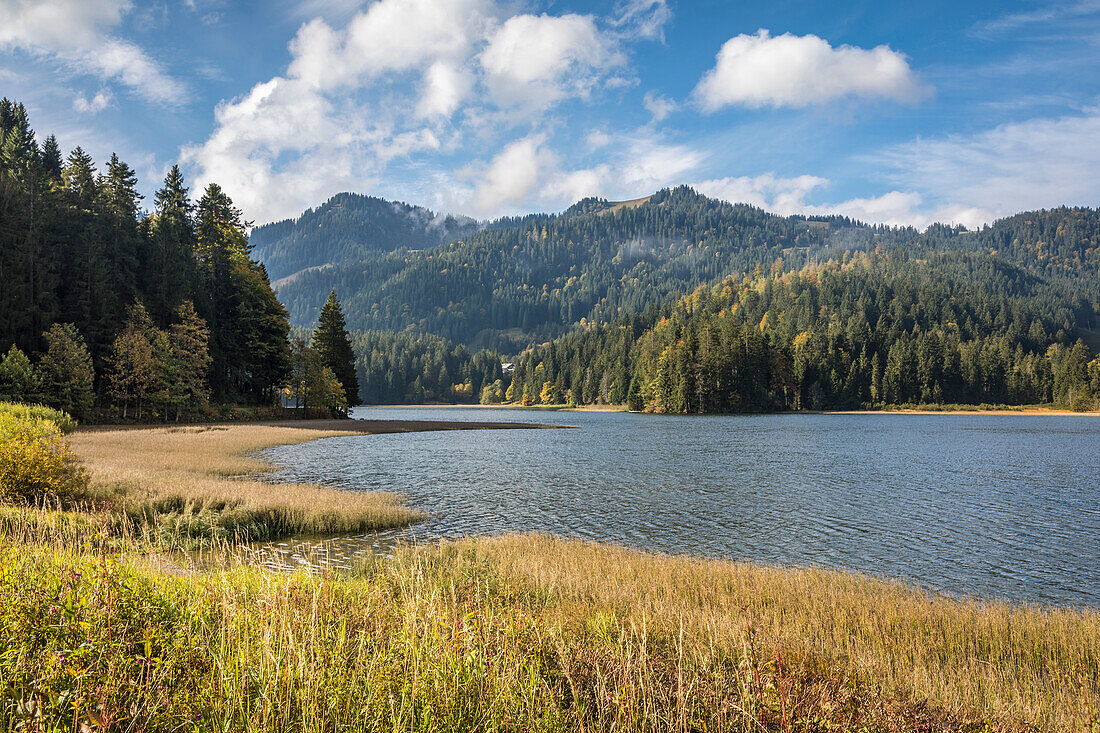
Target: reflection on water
point(996, 506)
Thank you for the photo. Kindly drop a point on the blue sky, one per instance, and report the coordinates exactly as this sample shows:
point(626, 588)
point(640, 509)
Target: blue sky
point(889, 112)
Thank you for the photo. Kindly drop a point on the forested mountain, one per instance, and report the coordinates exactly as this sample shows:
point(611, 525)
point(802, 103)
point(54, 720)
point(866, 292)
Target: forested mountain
point(163, 306)
point(522, 281)
point(351, 228)
point(863, 329)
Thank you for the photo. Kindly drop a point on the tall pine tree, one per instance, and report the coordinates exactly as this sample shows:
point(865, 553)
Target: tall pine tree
point(332, 343)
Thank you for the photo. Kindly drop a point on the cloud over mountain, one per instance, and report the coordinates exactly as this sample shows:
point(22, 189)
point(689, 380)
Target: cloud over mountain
point(796, 71)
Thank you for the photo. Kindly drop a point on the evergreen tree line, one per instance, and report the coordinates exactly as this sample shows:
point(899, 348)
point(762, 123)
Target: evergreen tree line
point(153, 312)
point(407, 368)
point(863, 330)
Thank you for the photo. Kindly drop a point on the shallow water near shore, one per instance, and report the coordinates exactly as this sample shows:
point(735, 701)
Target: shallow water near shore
point(1003, 507)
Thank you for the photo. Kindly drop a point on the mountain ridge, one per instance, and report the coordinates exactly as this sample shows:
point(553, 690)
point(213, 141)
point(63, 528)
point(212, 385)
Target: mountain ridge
point(514, 282)
point(350, 226)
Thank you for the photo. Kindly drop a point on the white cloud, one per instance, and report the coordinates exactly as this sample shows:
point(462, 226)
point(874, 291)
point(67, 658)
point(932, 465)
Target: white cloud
point(565, 188)
point(643, 18)
point(786, 196)
point(338, 117)
point(597, 139)
point(658, 106)
point(645, 164)
point(98, 103)
point(796, 71)
point(1049, 14)
point(391, 35)
point(513, 175)
point(402, 79)
point(445, 86)
point(529, 175)
point(768, 191)
point(73, 31)
point(536, 60)
point(285, 145)
point(959, 179)
point(1041, 162)
point(526, 175)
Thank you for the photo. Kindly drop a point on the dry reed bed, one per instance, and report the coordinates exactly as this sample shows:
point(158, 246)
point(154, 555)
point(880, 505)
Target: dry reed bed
point(525, 633)
point(992, 661)
point(194, 482)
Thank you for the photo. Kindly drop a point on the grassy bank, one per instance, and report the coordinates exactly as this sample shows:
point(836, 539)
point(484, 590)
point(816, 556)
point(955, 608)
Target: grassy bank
point(520, 633)
point(100, 628)
point(189, 485)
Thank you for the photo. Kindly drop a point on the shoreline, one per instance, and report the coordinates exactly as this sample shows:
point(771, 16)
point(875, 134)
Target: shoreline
point(194, 485)
point(346, 425)
point(1052, 412)
point(1049, 411)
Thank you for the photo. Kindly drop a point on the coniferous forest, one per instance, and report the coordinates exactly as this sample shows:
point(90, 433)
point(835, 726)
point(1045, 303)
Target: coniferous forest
point(111, 309)
point(679, 303)
point(522, 281)
point(672, 303)
point(868, 329)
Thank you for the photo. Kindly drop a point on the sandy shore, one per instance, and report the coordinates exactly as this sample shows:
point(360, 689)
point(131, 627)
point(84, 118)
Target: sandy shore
point(367, 427)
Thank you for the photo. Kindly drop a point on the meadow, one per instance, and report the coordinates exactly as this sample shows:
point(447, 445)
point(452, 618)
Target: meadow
point(104, 625)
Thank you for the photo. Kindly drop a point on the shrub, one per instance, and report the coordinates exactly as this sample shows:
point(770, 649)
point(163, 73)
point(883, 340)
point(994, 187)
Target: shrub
point(38, 412)
point(36, 462)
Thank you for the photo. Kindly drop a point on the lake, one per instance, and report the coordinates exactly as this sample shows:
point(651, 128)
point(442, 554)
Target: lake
point(993, 506)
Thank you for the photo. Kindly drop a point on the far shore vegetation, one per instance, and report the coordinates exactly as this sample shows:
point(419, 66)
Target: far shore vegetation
point(107, 627)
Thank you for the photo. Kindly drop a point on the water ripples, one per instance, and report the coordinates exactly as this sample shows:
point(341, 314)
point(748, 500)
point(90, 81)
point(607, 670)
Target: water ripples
point(993, 506)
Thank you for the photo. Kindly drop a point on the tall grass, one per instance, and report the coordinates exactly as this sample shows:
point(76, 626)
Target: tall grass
point(519, 633)
point(193, 485)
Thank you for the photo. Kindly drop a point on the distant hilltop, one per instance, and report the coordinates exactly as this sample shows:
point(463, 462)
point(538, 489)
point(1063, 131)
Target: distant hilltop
point(518, 281)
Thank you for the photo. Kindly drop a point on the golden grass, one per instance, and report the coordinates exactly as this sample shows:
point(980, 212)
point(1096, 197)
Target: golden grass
point(522, 633)
point(1006, 663)
point(198, 480)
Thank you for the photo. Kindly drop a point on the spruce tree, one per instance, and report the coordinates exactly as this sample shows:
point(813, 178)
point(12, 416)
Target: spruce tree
point(170, 273)
point(332, 343)
point(51, 159)
point(189, 363)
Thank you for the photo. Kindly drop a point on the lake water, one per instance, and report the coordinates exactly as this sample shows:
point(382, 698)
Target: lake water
point(980, 505)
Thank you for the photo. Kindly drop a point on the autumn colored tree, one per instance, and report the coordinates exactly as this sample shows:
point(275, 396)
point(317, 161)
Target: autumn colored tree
point(313, 385)
point(136, 366)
